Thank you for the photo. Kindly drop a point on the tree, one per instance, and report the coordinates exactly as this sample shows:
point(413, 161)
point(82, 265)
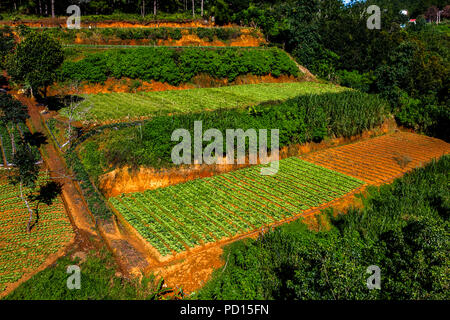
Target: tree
point(432, 13)
point(25, 173)
point(74, 108)
point(6, 43)
point(221, 12)
point(25, 169)
point(35, 61)
point(53, 9)
point(12, 112)
point(142, 5)
point(446, 12)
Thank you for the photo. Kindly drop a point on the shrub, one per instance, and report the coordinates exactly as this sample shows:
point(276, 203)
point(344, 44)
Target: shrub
point(176, 66)
point(354, 79)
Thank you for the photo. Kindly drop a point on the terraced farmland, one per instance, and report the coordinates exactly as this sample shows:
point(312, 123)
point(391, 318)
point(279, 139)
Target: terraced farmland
point(201, 211)
point(126, 106)
point(380, 160)
point(21, 252)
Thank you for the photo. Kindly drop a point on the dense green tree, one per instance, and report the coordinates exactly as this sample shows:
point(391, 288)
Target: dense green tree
point(35, 61)
point(12, 112)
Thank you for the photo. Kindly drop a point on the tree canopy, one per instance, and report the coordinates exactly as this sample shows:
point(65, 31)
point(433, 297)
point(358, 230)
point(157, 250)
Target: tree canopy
point(35, 61)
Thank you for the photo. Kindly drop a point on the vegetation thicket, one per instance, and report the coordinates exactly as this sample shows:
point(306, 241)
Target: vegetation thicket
point(68, 36)
point(180, 65)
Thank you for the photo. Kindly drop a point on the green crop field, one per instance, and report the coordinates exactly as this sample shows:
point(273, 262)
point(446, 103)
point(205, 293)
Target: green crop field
point(127, 106)
point(22, 252)
point(197, 212)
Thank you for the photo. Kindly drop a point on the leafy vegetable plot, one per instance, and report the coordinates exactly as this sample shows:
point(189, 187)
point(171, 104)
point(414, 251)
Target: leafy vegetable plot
point(116, 106)
point(22, 252)
point(229, 204)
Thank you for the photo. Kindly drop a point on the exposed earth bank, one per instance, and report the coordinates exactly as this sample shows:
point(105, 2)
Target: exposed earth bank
point(125, 180)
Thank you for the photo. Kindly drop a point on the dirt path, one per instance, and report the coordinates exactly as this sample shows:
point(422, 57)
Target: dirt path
point(78, 211)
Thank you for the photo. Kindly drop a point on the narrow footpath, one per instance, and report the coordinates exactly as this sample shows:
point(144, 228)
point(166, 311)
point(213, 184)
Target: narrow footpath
point(78, 211)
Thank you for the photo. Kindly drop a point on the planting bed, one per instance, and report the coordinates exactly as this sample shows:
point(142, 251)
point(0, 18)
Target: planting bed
point(201, 211)
point(379, 160)
point(116, 106)
point(22, 253)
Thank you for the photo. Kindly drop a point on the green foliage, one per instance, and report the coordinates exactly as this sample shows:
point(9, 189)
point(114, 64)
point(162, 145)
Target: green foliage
point(35, 61)
point(120, 106)
point(416, 81)
point(354, 79)
point(177, 66)
point(94, 199)
point(6, 43)
point(102, 35)
point(403, 228)
point(25, 172)
point(305, 118)
point(12, 110)
point(98, 281)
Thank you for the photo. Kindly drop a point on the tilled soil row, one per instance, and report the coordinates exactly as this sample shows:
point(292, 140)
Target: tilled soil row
point(381, 159)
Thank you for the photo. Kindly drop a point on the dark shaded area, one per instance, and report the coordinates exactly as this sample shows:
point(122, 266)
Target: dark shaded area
point(56, 103)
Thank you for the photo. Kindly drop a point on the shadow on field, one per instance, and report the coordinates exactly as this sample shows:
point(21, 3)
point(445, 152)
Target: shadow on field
point(56, 103)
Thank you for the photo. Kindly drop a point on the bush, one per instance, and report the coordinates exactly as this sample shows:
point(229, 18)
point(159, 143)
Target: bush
point(205, 33)
point(354, 79)
point(177, 66)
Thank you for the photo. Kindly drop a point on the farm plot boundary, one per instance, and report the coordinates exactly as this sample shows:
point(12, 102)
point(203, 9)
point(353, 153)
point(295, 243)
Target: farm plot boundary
point(343, 198)
point(204, 212)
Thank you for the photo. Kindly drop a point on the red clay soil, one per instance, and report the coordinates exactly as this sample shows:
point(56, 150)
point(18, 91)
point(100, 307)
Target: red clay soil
point(78, 211)
point(382, 159)
point(246, 39)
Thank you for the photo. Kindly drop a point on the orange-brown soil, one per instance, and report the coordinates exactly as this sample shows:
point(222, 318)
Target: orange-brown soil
point(125, 180)
point(78, 212)
point(247, 39)
point(199, 81)
point(382, 159)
